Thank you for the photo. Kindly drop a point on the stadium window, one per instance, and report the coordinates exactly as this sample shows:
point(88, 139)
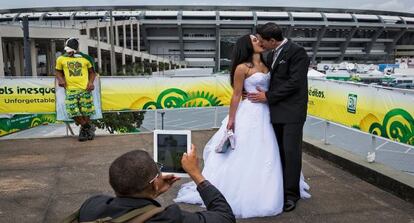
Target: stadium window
point(199, 18)
point(368, 20)
point(270, 19)
point(161, 17)
point(234, 18)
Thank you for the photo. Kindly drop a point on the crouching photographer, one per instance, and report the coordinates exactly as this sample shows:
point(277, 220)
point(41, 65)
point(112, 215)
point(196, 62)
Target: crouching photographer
point(137, 181)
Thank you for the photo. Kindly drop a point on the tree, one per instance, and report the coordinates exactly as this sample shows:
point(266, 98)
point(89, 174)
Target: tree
point(121, 122)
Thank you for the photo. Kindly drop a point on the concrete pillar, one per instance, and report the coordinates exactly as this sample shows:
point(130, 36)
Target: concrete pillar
point(21, 55)
point(33, 56)
point(181, 42)
point(107, 34)
point(83, 46)
point(103, 69)
point(1, 59)
point(374, 38)
point(124, 32)
point(145, 39)
point(217, 64)
point(345, 45)
point(390, 49)
point(123, 62)
point(132, 36)
point(18, 58)
point(133, 58)
point(138, 39)
point(116, 35)
point(316, 44)
point(88, 32)
point(10, 58)
point(52, 61)
point(99, 53)
point(48, 66)
point(218, 45)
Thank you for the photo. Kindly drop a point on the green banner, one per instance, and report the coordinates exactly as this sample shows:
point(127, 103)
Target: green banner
point(21, 122)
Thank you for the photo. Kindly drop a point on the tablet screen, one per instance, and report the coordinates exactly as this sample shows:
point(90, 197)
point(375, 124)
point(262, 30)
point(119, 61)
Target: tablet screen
point(171, 148)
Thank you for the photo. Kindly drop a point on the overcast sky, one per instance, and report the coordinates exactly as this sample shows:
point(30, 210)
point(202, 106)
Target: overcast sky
point(387, 5)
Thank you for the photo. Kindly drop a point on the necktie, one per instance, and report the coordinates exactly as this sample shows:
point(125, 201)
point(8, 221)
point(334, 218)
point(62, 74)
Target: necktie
point(275, 55)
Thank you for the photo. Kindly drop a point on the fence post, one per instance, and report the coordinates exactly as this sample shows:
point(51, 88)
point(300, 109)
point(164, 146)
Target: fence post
point(326, 133)
point(162, 119)
point(371, 154)
point(373, 143)
point(215, 117)
point(155, 119)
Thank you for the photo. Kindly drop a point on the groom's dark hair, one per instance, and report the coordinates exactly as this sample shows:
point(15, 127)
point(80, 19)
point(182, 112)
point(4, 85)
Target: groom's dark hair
point(270, 30)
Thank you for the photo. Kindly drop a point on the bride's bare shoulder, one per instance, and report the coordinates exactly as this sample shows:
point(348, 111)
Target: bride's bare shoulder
point(242, 68)
point(248, 65)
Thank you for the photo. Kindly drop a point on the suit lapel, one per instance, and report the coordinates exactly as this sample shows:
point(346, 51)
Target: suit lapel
point(281, 55)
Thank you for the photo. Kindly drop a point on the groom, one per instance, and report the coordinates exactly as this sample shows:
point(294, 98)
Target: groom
point(287, 98)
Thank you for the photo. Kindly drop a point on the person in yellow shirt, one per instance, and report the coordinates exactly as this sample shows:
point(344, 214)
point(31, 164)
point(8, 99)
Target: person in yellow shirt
point(76, 74)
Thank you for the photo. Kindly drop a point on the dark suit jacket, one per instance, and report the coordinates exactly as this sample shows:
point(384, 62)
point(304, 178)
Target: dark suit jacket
point(288, 92)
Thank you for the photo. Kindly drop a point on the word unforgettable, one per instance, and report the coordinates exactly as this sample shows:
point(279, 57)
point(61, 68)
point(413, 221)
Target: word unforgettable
point(29, 101)
point(22, 90)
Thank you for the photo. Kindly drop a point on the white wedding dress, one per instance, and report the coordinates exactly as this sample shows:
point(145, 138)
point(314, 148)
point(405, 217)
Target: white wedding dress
point(250, 176)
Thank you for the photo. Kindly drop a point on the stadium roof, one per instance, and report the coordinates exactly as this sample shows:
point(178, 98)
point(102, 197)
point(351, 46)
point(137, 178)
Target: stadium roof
point(132, 5)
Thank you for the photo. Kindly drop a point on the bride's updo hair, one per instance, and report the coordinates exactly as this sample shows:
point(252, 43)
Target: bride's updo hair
point(242, 53)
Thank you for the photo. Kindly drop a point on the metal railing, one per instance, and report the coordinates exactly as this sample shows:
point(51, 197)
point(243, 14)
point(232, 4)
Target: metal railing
point(397, 155)
point(368, 146)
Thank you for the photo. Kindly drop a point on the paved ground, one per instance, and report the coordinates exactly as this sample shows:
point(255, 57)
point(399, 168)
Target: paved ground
point(43, 180)
point(397, 156)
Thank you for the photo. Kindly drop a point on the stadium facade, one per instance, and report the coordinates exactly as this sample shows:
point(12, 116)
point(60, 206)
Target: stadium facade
point(204, 36)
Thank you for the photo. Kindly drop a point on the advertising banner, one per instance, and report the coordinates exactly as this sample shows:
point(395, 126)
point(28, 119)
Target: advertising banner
point(380, 111)
point(28, 95)
point(37, 95)
point(21, 122)
point(150, 93)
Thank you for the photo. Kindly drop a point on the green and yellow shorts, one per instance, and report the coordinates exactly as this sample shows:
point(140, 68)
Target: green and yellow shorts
point(79, 103)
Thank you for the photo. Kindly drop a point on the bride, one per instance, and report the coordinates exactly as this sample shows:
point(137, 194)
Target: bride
point(250, 176)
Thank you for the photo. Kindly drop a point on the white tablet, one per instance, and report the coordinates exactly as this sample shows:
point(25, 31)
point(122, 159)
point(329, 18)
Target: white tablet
point(169, 147)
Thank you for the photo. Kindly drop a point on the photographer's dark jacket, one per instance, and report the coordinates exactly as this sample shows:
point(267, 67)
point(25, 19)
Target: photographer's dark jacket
point(218, 210)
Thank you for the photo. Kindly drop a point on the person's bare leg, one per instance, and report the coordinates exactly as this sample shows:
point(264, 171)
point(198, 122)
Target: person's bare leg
point(79, 120)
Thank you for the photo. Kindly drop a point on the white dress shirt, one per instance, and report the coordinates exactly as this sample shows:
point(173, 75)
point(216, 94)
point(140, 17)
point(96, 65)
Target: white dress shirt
point(277, 51)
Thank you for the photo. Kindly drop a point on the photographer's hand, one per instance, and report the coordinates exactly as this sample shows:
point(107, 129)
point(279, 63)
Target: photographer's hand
point(167, 182)
point(190, 165)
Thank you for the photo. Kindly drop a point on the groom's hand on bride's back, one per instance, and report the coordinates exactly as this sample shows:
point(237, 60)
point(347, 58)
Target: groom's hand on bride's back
point(257, 97)
point(244, 95)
